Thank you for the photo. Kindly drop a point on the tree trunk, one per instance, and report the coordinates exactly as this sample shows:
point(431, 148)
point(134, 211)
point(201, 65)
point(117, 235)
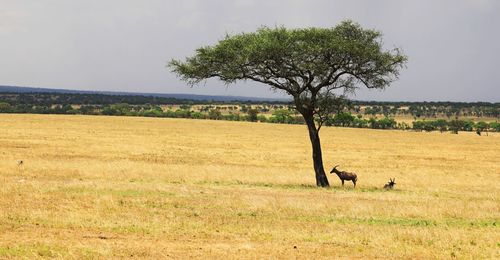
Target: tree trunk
point(321, 179)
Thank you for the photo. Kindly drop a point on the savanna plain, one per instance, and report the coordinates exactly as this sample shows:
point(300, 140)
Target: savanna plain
point(120, 187)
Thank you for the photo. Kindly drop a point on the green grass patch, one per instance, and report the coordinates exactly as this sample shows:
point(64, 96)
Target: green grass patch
point(415, 222)
point(37, 250)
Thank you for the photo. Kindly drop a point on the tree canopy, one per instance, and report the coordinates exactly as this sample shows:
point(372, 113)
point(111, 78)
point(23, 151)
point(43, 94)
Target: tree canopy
point(309, 64)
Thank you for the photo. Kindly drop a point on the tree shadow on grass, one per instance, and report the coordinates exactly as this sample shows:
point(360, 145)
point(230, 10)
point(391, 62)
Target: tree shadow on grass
point(297, 186)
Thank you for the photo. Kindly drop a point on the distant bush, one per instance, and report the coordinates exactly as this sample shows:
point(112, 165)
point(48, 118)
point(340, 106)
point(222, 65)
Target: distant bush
point(386, 123)
point(182, 113)
point(454, 126)
point(214, 114)
point(252, 114)
point(197, 115)
point(232, 117)
point(440, 125)
point(341, 119)
point(5, 107)
point(360, 123)
point(281, 116)
point(262, 118)
point(495, 126)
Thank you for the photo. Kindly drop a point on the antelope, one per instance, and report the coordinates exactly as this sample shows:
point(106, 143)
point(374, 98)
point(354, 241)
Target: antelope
point(20, 163)
point(390, 184)
point(343, 175)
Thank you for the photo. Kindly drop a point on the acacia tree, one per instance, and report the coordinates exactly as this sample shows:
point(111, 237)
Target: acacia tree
point(316, 66)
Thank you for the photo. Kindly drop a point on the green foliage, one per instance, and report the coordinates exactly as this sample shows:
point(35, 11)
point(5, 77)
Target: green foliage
point(468, 125)
point(214, 114)
point(495, 126)
point(360, 123)
point(119, 109)
point(456, 125)
point(418, 125)
point(92, 104)
point(345, 119)
point(481, 126)
point(386, 123)
point(270, 54)
point(372, 122)
point(309, 64)
point(262, 118)
point(109, 111)
point(341, 119)
point(372, 110)
point(281, 116)
point(88, 110)
point(440, 125)
point(197, 115)
point(151, 113)
point(426, 125)
point(252, 114)
point(5, 107)
point(170, 113)
point(232, 117)
point(181, 113)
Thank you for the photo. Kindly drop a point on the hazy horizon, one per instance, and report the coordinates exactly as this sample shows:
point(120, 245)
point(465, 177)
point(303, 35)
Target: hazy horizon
point(277, 98)
point(125, 45)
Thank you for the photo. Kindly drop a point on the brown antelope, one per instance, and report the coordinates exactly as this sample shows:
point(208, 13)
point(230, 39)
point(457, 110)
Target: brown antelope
point(343, 175)
point(390, 184)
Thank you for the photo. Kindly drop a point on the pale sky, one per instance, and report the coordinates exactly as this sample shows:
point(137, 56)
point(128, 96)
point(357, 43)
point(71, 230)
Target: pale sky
point(123, 45)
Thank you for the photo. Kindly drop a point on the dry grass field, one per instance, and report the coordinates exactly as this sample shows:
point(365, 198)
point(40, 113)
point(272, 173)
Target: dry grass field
point(119, 187)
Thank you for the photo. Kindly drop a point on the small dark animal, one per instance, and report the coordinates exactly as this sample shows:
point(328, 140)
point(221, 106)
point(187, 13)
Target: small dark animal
point(390, 184)
point(345, 176)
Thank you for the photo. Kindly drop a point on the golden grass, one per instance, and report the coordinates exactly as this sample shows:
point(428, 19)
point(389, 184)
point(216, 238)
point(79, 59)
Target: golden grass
point(116, 187)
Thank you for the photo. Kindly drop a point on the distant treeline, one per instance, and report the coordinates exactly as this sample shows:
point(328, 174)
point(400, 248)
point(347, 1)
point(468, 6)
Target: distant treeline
point(345, 119)
point(427, 109)
point(281, 115)
point(51, 99)
point(425, 114)
point(370, 108)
